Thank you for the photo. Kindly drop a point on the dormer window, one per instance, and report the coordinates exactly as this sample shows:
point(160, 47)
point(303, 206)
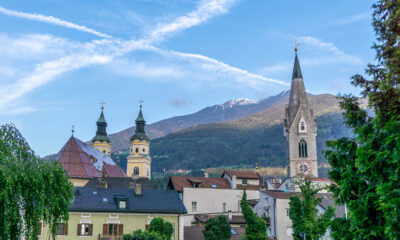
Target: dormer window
point(122, 204)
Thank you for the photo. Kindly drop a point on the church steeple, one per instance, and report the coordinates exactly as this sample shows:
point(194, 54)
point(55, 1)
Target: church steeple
point(101, 141)
point(300, 128)
point(298, 93)
point(139, 160)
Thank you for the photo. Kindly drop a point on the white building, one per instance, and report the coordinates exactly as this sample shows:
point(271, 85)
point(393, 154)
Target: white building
point(214, 196)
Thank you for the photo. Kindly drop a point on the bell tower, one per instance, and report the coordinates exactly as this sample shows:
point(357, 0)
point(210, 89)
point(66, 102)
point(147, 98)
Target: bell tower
point(101, 141)
point(300, 128)
point(139, 160)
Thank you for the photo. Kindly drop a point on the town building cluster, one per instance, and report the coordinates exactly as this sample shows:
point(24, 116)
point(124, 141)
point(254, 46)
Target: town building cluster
point(110, 201)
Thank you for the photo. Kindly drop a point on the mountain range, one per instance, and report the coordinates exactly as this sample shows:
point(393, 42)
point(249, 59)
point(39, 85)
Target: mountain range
point(237, 133)
point(227, 111)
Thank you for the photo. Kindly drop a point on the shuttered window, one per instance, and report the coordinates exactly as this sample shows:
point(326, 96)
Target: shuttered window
point(113, 229)
point(62, 229)
point(85, 229)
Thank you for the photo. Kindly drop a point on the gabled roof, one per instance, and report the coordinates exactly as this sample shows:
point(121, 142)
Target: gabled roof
point(242, 174)
point(179, 182)
point(105, 200)
point(81, 160)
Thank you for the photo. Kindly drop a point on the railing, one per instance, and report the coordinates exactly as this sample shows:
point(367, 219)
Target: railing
point(110, 237)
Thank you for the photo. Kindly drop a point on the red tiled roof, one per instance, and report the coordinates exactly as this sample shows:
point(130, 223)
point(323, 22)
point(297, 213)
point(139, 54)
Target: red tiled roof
point(113, 171)
point(75, 161)
point(180, 182)
point(243, 174)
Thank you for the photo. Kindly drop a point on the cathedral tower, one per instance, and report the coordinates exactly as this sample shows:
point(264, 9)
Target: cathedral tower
point(300, 128)
point(139, 160)
point(101, 141)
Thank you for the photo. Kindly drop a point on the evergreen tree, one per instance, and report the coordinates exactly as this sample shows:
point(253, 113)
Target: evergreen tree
point(217, 229)
point(31, 189)
point(306, 222)
point(366, 169)
point(256, 228)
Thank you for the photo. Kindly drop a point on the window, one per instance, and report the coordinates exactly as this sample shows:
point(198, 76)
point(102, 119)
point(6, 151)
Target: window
point(122, 204)
point(40, 229)
point(148, 172)
point(196, 185)
point(302, 128)
point(224, 207)
point(136, 171)
point(194, 206)
point(244, 181)
point(287, 211)
point(85, 229)
point(303, 148)
point(62, 229)
point(104, 151)
point(144, 150)
point(266, 200)
point(113, 229)
point(137, 150)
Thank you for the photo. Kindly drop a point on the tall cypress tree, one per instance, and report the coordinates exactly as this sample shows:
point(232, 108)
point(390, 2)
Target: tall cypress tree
point(366, 168)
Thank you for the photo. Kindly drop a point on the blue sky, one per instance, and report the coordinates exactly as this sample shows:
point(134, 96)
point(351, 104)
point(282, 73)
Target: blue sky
point(60, 59)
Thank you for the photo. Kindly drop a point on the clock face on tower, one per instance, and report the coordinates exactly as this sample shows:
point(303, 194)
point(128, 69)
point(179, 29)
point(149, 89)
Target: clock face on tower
point(303, 168)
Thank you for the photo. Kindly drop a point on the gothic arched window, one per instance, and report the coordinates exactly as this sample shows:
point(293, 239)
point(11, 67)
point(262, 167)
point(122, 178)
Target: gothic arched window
point(302, 126)
point(303, 148)
point(136, 171)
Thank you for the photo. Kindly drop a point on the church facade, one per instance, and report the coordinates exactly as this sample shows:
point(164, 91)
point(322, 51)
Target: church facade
point(300, 129)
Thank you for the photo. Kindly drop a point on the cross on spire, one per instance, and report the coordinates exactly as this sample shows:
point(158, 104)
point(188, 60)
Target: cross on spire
point(141, 102)
point(296, 45)
point(102, 105)
point(73, 130)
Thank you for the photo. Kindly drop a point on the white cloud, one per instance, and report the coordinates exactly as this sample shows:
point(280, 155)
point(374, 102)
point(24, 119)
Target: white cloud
point(352, 18)
point(204, 11)
point(105, 50)
point(337, 55)
point(51, 20)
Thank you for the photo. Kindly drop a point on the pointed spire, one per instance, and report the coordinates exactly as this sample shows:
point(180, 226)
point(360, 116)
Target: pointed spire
point(101, 133)
point(296, 67)
point(297, 92)
point(140, 123)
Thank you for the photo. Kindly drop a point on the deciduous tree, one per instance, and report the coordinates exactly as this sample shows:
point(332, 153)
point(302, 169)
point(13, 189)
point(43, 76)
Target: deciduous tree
point(217, 229)
point(32, 189)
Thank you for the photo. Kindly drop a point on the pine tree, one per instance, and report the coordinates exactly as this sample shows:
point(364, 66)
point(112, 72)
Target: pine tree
point(366, 168)
point(256, 228)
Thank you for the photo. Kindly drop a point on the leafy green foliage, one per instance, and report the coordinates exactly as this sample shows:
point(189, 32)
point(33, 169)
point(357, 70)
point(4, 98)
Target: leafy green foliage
point(304, 213)
point(340, 229)
point(162, 228)
point(141, 235)
point(367, 168)
point(217, 229)
point(31, 189)
point(256, 228)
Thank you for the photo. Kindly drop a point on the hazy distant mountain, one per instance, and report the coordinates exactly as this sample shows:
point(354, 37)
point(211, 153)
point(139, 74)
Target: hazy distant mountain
point(257, 138)
point(227, 111)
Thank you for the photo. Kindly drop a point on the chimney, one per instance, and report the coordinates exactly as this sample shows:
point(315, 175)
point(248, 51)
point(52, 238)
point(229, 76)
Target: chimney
point(131, 185)
point(229, 215)
point(102, 183)
point(138, 189)
point(205, 174)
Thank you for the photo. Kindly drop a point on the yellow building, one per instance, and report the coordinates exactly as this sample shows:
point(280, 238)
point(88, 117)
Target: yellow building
point(101, 141)
point(139, 160)
point(111, 209)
